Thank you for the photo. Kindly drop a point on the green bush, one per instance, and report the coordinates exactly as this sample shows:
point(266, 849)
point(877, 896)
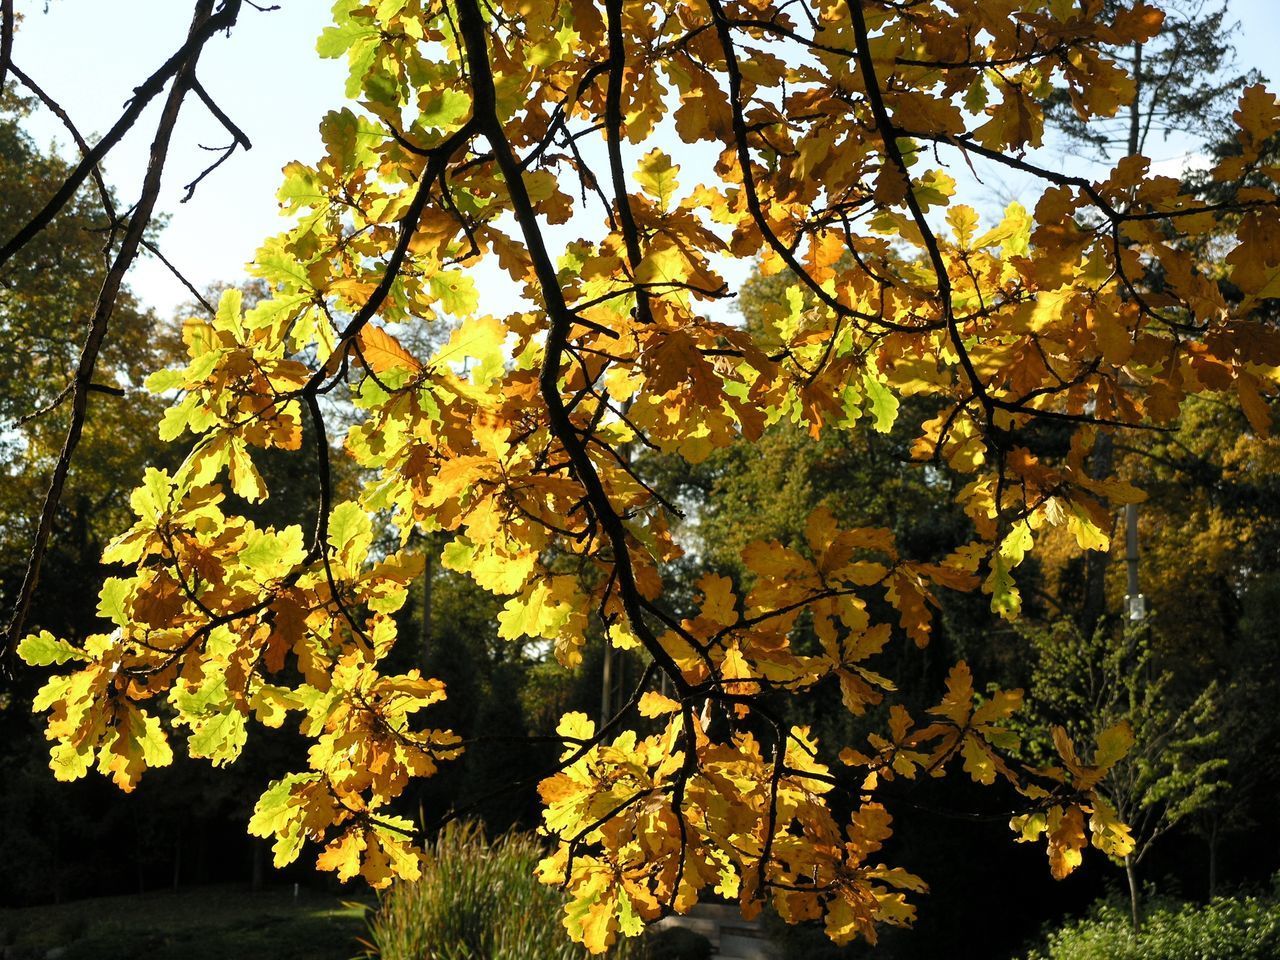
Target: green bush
point(477, 900)
point(1228, 928)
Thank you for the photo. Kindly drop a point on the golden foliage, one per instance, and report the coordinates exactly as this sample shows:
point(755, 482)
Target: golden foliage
point(512, 436)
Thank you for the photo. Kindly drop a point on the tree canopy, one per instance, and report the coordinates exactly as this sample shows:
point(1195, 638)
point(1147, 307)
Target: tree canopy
point(560, 184)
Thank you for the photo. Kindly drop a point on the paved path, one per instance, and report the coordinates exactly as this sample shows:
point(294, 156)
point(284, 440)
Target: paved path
point(732, 937)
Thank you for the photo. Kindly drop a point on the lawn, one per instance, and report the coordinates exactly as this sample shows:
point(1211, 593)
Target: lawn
point(207, 923)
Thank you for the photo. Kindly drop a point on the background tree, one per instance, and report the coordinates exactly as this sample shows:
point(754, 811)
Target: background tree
point(45, 301)
point(185, 827)
point(127, 236)
point(1174, 769)
point(1185, 82)
point(1208, 561)
point(46, 298)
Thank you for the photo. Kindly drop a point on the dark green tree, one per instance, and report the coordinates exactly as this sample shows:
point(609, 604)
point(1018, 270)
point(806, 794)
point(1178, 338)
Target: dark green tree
point(1186, 81)
point(1085, 685)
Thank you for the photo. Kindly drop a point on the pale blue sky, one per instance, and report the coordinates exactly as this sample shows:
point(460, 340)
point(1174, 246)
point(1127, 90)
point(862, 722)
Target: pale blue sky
point(90, 53)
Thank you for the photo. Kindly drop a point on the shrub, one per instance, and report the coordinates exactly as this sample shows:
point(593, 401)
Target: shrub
point(1228, 928)
point(477, 900)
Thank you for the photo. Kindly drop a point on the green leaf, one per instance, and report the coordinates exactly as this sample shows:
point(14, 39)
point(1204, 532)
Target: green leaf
point(162, 381)
point(150, 737)
point(113, 601)
point(219, 737)
point(301, 188)
point(884, 405)
point(343, 37)
point(178, 418)
point(350, 533)
point(272, 555)
point(456, 291)
point(246, 481)
point(228, 315)
point(444, 109)
point(1006, 600)
point(277, 815)
point(43, 649)
point(934, 189)
point(338, 130)
point(389, 8)
point(458, 555)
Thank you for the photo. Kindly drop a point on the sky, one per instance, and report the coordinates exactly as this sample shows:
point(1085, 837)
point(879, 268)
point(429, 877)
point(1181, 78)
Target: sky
point(89, 54)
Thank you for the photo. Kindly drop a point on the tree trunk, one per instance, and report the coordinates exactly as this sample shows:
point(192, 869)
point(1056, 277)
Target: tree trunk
point(1135, 895)
point(1096, 562)
point(424, 626)
point(1102, 463)
point(177, 858)
point(57, 862)
point(1213, 858)
point(1135, 106)
point(258, 866)
point(202, 852)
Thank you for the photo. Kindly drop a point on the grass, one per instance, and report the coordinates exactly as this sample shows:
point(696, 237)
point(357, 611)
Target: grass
point(478, 899)
point(206, 923)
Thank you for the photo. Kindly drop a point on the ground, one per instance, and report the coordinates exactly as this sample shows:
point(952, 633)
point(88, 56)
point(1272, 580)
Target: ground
point(206, 923)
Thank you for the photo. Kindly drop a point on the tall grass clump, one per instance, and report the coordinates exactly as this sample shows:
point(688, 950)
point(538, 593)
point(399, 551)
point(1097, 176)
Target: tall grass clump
point(478, 900)
point(1226, 928)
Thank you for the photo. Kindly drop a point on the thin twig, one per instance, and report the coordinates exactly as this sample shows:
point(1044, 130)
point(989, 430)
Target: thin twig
point(143, 94)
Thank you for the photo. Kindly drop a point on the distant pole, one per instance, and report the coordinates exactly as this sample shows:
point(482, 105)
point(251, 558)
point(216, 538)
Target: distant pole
point(606, 683)
point(1135, 603)
point(606, 668)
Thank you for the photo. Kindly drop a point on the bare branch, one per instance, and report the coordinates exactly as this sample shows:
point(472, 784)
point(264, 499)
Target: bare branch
point(209, 25)
point(107, 297)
